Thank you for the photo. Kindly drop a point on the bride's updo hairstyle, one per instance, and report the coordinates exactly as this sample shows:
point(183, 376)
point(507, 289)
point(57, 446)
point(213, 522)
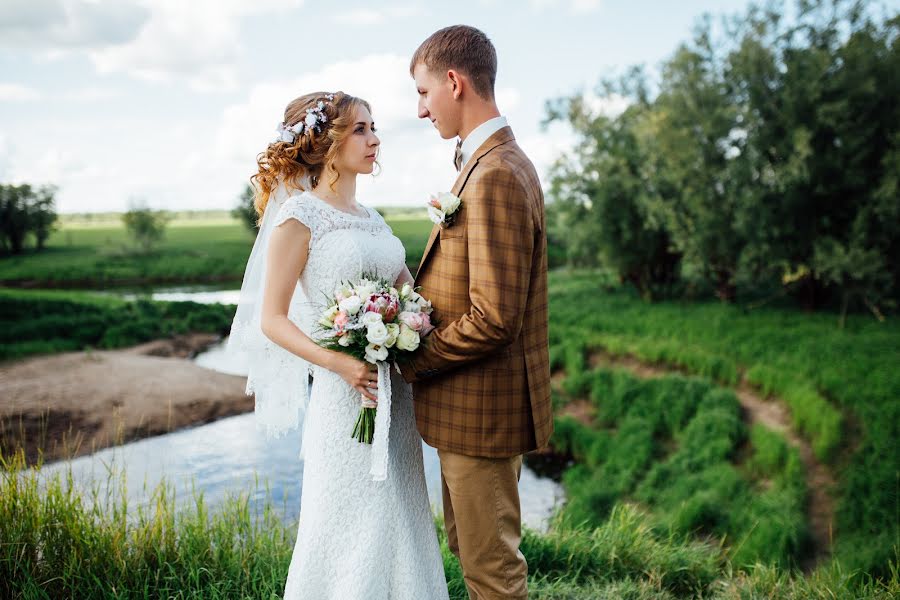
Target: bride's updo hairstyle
point(300, 163)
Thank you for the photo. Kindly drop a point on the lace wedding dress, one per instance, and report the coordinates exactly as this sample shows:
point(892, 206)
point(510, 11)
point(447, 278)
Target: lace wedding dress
point(358, 537)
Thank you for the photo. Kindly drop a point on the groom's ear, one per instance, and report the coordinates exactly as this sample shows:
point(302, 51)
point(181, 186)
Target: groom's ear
point(455, 81)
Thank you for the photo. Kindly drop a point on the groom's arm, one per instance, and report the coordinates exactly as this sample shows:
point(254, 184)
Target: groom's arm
point(500, 240)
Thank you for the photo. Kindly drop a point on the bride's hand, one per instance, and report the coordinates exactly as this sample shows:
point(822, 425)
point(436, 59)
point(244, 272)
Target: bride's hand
point(361, 375)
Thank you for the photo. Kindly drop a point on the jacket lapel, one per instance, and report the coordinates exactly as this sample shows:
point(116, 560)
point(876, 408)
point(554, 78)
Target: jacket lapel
point(501, 136)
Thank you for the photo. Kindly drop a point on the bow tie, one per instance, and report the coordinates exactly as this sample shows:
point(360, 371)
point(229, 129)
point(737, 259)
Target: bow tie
point(457, 155)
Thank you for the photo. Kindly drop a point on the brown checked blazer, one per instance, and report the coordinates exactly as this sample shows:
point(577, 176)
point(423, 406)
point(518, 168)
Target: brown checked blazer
point(482, 378)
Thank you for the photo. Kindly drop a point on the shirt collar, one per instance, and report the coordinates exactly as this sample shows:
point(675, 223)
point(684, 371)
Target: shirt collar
point(479, 135)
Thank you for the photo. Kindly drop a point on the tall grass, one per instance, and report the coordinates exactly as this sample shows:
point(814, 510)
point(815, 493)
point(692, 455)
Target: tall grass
point(842, 385)
point(57, 543)
point(670, 444)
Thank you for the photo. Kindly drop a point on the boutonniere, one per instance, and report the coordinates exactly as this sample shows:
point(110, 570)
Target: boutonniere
point(442, 208)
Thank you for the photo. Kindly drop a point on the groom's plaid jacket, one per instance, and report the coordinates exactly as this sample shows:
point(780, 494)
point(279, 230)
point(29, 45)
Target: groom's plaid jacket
point(482, 380)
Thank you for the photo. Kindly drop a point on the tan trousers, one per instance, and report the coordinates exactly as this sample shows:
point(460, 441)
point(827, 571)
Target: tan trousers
point(483, 521)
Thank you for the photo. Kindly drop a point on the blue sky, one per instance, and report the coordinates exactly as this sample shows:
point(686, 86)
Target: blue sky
point(168, 102)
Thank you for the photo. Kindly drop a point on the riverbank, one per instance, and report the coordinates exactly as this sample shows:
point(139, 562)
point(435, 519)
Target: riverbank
point(73, 403)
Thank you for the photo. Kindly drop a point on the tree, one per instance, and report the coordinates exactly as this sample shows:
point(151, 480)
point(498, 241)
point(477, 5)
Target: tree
point(601, 196)
point(23, 210)
point(146, 226)
point(42, 215)
point(245, 211)
point(767, 160)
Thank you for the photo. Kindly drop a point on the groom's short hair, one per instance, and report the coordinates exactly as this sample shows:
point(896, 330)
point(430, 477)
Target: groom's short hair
point(464, 49)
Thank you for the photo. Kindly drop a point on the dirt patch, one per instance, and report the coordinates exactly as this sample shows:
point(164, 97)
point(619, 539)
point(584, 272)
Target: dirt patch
point(74, 403)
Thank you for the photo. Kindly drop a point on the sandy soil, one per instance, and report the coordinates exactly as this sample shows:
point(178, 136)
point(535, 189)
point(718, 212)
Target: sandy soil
point(71, 404)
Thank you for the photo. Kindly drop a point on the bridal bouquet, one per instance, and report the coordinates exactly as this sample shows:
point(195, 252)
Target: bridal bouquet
point(373, 321)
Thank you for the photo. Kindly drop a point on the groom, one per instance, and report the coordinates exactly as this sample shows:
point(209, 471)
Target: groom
point(482, 381)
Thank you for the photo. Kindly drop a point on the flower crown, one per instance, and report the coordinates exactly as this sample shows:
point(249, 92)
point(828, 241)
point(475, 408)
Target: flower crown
point(315, 120)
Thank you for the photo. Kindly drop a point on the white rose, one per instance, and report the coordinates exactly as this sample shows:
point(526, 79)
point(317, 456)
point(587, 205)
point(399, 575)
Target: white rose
point(411, 307)
point(408, 339)
point(375, 353)
point(311, 119)
point(344, 340)
point(449, 203)
point(377, 333)
point(344, 291)
point(365, 289)
point(370, 318)
point(405, 291)
point(393, 332)
point(351, 305)
point(436, 215)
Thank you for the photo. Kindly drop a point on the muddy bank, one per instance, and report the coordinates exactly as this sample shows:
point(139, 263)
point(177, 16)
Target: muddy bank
point(73, 403)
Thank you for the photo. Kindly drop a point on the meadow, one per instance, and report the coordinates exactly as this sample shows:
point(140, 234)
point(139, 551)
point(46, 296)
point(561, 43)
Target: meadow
point(673, 493)
point(841, 385)
point(207, 248)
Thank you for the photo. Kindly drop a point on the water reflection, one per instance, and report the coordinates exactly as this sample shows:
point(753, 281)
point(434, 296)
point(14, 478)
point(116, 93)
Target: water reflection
point(229, 456)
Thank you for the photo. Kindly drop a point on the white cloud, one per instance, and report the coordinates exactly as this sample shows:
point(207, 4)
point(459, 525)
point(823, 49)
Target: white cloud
point(194, 41)
point(507, 99)
point(585, 6)
point(152, 40)
point(370, 16)
point(15, 92)
point(57, 24)
point(609, 106)
point(572, 6)
point(359, 16)
point(545, 147)
point(414, 159)
point(92, 94)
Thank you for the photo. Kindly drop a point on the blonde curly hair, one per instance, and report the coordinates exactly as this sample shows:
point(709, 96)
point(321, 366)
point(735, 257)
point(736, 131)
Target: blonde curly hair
point(311, 152)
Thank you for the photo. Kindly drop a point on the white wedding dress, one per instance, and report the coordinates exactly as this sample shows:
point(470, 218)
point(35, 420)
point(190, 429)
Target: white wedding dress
point(358, 538)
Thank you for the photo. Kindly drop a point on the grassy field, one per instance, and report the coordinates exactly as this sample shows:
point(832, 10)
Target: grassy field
point(668, 459)
point(213, 248)
point(96, 549)
point(49, 321)
point(842, 387)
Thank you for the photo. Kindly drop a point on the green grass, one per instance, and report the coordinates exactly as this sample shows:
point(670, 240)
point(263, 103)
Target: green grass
point(671, 445)
point(98, 254)
point(46, 321)
point(54, 543)
point(842, 385)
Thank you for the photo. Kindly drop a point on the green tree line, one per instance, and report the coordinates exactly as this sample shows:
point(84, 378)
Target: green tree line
point(763, 161)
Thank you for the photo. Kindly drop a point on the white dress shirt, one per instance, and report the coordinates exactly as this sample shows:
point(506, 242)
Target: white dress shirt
point(479, 135)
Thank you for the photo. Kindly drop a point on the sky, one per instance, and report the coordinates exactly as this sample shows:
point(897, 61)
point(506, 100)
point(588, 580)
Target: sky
point(167, 102)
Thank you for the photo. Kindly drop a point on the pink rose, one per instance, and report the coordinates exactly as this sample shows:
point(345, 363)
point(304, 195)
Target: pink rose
point(340, 320)
point(426, 323)
point(411, 320)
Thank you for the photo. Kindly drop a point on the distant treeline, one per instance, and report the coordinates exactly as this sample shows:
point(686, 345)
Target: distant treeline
point(763, 162)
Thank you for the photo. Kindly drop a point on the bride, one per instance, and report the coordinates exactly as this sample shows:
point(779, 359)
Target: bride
point(359, 535)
